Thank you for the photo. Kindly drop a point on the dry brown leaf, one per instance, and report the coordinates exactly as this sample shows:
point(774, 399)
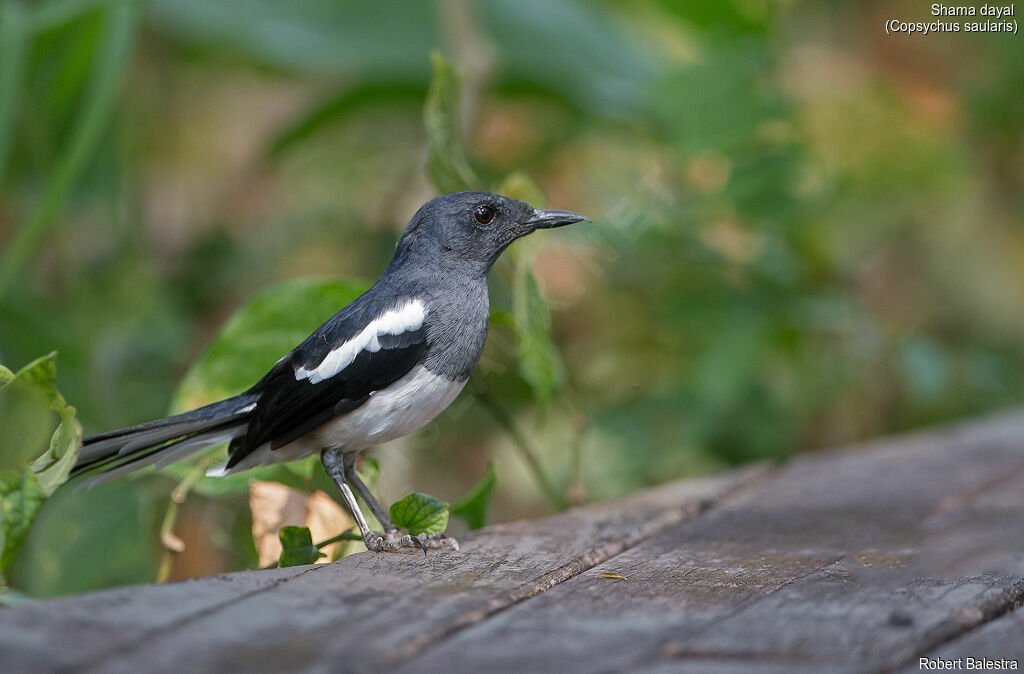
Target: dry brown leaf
point(274, 505)
point(325, 518)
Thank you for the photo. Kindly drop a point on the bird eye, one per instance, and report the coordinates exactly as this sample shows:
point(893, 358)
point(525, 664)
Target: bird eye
point(483, 214)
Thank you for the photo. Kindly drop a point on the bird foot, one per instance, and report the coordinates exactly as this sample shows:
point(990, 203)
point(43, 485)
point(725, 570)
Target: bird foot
point(393, 540)
point(439, 540)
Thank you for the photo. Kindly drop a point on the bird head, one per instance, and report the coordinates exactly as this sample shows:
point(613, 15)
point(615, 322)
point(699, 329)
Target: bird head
point(469, 230)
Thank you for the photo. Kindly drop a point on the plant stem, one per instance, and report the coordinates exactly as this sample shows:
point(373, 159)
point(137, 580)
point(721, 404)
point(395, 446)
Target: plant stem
point(116, 38)
point(575, 491)
point(171, 543)
point(347, 535)
point(503, 418)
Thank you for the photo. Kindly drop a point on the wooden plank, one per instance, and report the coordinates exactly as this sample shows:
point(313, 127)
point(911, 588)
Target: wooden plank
point(998, 639)
point(999, 624)
point(362, 612)
point(853, 561)
point(61, 634)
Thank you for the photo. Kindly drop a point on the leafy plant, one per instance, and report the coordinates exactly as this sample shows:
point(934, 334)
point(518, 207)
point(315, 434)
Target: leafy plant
point(539, 361)
point(24, 489)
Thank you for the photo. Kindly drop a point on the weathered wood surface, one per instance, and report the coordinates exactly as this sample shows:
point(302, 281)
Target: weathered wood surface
point(860, 560)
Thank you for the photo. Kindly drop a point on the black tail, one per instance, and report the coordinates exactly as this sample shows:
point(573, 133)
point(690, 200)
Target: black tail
point(164, 441)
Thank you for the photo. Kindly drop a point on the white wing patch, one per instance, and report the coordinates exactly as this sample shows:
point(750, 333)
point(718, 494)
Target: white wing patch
point(409, 316)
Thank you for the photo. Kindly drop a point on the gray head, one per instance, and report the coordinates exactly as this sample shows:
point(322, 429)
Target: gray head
point(469, 230)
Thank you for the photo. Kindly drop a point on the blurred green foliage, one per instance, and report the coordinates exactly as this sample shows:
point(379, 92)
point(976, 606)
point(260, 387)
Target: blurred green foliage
point(447, 165)
point(805, 232)
point(473, 507)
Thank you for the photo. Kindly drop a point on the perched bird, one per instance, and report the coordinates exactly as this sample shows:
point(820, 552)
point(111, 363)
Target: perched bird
point(379, 369)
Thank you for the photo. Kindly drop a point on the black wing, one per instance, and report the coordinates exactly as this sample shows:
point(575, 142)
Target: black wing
point(288, 407)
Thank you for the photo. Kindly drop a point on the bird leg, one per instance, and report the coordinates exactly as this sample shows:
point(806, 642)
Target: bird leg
point(434, 540)
point(334, 463)
point(348, 466)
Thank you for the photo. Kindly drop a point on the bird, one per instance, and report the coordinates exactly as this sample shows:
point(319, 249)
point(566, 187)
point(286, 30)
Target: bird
point(382, 367)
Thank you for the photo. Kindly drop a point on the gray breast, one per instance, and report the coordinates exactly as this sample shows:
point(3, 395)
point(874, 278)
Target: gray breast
point(457, 329)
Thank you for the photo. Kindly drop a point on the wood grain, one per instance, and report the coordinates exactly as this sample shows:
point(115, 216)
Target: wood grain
point(853, 561)
point(361, 612)
point(857, 560)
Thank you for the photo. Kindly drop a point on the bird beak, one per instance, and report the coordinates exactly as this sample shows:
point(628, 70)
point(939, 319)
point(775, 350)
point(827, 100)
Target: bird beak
point(547, 219)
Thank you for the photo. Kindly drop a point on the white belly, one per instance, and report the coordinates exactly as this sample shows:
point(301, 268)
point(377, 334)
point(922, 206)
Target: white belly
point(408, 404)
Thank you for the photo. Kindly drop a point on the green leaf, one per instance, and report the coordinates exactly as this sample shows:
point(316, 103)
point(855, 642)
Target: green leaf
point(23, 396)
point(447, 165)
point(472, 508)
point(539, 361)
point(26, 423)
point(297, 547)
point(21, 498)
point(86, 540)
point(258, 334)
point(53, 467)
point(420, 513)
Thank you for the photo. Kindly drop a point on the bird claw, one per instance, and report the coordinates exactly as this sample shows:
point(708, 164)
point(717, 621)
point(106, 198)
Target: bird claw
point(439, 540)
point(388, 542)
point(394, 540)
